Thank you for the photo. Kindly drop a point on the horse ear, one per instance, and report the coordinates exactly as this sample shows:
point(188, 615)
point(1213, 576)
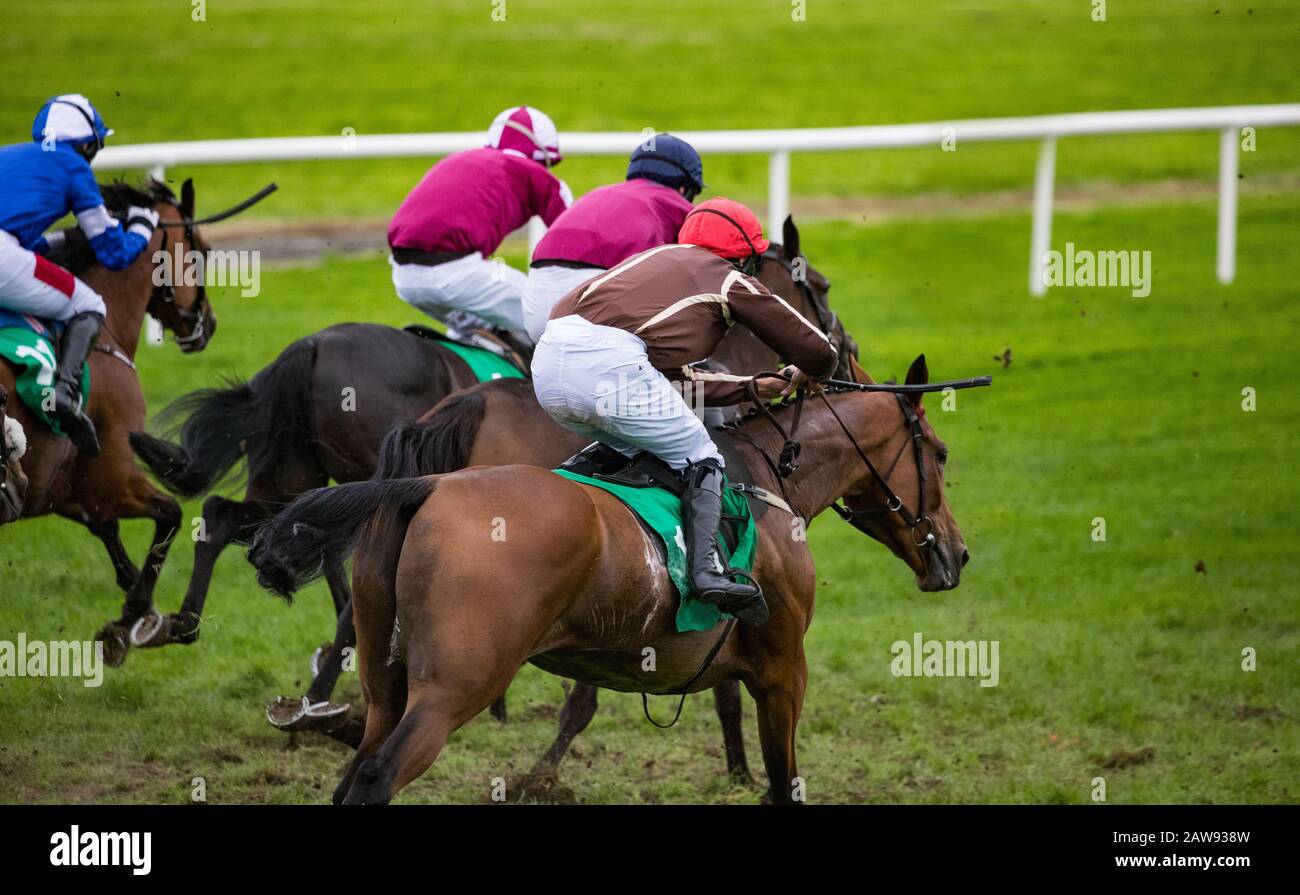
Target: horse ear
point(917, 374)
point(187, 198)
point(859, 374)
point(790, 238)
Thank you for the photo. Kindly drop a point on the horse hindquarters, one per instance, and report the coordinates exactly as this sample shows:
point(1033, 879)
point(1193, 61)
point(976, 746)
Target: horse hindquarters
point(476, 560)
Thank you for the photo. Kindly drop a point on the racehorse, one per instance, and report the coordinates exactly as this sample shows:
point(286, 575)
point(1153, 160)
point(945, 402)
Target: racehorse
point(569, 589)
point(13, 481)
point(289, 425)
point(100, 491)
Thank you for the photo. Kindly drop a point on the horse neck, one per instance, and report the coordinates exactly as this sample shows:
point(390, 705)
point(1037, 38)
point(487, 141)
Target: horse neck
point(126, 295)
point(829, 464)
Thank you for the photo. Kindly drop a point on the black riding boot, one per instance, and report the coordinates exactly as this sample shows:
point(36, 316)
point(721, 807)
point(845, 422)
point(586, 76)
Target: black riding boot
point(78, 336)
point(701, 514)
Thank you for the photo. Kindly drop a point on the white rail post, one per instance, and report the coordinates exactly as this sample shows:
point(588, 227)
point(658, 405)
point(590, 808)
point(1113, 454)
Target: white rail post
point(1041, 238)
point(154, 333)
point(1226, 266)
point(778, 192)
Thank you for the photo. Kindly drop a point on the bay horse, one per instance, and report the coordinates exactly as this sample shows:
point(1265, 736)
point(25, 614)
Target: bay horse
point(290, 426)
point(100, 491)
point(446, 613)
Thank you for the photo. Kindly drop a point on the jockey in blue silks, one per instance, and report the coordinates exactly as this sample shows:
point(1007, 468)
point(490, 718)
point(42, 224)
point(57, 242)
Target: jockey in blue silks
point(43, 181)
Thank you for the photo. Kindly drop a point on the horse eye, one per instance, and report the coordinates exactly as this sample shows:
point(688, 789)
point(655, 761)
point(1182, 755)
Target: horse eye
point(943, 457)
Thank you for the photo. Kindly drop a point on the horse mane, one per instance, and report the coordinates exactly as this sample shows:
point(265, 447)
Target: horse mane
point(76, 253)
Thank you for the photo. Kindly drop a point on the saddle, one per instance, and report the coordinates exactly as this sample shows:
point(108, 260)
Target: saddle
point(645, 470)
point(499, 343)
point(50, 329)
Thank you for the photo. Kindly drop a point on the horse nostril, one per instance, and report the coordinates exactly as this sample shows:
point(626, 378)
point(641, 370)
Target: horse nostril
point(965, 557)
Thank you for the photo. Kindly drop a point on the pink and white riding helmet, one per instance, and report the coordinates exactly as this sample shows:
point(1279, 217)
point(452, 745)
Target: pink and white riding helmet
point(528, 132)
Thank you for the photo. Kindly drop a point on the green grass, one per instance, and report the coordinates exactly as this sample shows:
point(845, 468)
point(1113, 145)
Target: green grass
point(290, 67)
point(1112, 406)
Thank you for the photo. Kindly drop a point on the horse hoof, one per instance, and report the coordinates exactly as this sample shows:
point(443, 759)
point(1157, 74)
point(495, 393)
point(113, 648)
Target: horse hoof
point(289, 714)
point(150, 631)
point(320, 657)
point(116, 643)
point(183, 627)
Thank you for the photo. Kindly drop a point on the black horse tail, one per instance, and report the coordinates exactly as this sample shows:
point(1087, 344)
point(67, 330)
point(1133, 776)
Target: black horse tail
point(439, 443)
point(322, 526)
point(221, 425)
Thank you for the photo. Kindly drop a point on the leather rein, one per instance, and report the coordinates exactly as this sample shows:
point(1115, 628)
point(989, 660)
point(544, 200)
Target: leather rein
point(920, 525)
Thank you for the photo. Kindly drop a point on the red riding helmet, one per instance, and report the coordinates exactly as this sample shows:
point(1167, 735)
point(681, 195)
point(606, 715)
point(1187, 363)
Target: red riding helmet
point(725, 228)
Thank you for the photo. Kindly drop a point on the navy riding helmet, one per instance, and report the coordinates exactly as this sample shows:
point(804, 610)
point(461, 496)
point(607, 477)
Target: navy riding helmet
point(668, 160)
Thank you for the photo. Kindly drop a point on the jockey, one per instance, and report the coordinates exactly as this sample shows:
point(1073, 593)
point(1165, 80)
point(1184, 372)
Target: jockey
point(604, 363)
point(448, 226)
point(614, 222)
point(44, 180)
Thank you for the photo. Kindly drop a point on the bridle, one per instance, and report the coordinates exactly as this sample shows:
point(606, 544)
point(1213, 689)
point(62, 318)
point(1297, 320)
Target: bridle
point(893, 502)
point(785, 466)
point(198, 317)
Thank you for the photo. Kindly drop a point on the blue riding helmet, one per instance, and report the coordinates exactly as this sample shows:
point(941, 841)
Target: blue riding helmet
point(70, 118)
point(668, 160)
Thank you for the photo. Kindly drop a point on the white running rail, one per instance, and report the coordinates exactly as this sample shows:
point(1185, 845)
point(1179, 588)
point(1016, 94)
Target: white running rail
point(778, 144)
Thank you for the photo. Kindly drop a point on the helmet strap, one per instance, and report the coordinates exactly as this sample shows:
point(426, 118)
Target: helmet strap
point(753, 252)
point(691, 179)
point(94, 134)
point(546, 153)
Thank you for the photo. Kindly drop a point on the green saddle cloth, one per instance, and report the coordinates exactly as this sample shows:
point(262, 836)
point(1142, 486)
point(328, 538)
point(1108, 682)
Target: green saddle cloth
point(661, 511)
point(485, 364)
point(33, 356)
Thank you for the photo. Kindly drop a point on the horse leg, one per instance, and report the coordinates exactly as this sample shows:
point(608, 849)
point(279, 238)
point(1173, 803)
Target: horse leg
point(139, 623)
point(498, 709)
point(110, 533)
point(726, 700)
point(579, 709)
point(224, 521)
point(166, 514)
point(384, 685)
point(345, 635)
point(372, 616)
point(433, 711)
point(779, 694)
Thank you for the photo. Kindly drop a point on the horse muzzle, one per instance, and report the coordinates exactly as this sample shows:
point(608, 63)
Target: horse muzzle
point(943, 564)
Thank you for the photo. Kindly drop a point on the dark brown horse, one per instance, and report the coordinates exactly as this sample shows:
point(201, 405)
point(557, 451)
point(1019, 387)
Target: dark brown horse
point(567, 588)
point(13, 481)
point(100, 491)
point(293, 426)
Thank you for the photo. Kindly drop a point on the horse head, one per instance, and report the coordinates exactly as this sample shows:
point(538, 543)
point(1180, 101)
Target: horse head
point(898, 498)
point(180, 299)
